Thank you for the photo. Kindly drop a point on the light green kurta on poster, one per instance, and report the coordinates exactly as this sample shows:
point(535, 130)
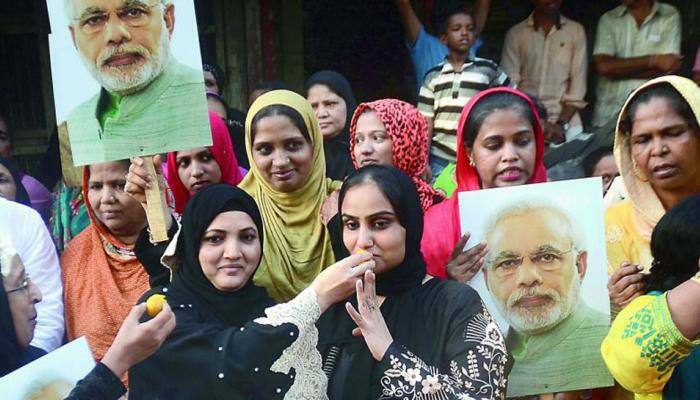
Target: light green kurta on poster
point(562, 359)
point(170, 114)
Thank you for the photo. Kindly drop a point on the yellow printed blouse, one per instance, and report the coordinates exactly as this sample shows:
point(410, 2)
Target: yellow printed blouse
point(644, 346)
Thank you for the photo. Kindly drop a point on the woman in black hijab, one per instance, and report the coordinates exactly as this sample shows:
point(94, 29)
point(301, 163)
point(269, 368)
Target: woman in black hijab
point(9, 175)
point(411, 336)
point(334, 103)
point(228, 343)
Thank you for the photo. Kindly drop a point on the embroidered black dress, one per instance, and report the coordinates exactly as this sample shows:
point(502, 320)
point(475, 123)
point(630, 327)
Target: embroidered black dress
point(446, 345)
point(229, 345)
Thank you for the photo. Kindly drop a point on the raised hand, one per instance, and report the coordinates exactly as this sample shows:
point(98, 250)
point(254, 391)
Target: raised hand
point(369, 319)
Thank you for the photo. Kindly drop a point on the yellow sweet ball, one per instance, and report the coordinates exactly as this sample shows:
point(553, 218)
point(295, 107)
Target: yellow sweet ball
point(154, 304)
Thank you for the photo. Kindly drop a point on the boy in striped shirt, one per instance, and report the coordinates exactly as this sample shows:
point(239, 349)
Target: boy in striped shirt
point(448, 86)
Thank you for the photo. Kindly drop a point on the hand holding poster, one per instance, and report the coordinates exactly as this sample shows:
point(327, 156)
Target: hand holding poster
point(544, 280)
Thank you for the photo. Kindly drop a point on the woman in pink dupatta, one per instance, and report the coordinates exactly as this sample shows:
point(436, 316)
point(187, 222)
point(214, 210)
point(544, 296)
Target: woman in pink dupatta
point(217, 162)
point(441, 230)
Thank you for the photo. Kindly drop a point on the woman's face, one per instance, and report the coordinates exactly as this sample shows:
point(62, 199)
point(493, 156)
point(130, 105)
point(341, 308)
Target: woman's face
point(22, 295)
point(281, 153)
point(370, 224)
point(504, 150)
point(8, 188)
point(197, 169)
point(372, 142)
point(330, 110)
point(664, 148)
point(607, 170)
point(120, 213)
point(230, 250)
point(210, 83)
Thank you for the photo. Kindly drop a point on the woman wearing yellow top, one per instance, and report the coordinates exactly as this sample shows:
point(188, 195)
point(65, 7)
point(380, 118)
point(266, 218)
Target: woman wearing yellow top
point(287, 180)
point(647, 349)
point(657, 149)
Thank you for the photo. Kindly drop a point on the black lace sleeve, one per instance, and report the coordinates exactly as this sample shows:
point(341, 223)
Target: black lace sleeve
point(99, 384)
point(478, 371)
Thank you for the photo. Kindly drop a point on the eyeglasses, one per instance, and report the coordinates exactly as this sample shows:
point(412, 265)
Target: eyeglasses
point(22, 286)
point(548, 259)
point(134, 14)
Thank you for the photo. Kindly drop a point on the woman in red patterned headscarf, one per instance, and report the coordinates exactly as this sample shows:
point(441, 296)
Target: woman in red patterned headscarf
point(500, 143)
point(393, 132)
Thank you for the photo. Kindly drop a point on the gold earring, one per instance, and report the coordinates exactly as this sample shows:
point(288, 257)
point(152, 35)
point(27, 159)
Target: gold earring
point(471, 161)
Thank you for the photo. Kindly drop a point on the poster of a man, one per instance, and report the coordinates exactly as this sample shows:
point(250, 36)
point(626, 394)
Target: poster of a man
point(539, 256)
point(145, 101)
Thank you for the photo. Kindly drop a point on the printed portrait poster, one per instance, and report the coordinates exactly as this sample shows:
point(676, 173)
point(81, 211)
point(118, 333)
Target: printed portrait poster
point(544, 280)
point(52, 376)
point(127, 78)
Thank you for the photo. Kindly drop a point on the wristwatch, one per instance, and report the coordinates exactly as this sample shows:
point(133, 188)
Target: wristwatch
point(564, 125)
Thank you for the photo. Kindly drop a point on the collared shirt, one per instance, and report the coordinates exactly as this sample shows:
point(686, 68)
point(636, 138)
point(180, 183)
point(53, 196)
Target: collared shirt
point(551, 66)
point(428, 51)
point(444, 94)
point(169, 114)
point(619, 36)
point(564, 358)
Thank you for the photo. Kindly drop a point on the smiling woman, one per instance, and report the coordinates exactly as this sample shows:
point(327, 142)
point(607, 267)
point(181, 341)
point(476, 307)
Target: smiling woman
point(102, 279)
point(231, 340)
point(287, 179)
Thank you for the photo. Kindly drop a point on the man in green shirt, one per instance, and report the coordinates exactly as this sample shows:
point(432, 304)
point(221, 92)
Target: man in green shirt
point(149, 103)
point(534, 272)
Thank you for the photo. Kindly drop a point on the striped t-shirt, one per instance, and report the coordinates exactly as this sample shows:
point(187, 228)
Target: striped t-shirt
point(445, 93)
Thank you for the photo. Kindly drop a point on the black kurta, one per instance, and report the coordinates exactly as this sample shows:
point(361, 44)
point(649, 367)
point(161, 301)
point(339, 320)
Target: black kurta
point(220, 347)
point(446, 346)
point(204, 359)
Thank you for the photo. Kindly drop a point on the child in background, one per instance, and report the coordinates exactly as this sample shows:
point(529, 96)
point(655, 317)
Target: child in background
point(449, 85)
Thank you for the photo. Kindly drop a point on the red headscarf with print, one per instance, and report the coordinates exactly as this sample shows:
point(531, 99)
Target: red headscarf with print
point(408, 131)
point(442, 228)
point(221, 149)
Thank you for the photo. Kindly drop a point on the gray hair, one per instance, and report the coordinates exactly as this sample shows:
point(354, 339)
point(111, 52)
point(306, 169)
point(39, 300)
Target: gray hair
point(68, 8)
point(523, 207)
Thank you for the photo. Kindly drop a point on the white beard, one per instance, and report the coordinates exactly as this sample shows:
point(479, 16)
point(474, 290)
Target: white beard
point(125, 80)
point(532, 322)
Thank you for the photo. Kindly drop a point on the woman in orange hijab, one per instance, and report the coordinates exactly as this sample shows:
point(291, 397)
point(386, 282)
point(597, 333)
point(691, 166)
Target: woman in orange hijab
point(102, 279)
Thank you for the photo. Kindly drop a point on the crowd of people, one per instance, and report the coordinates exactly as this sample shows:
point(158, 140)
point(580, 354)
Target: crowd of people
point(315, 249)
